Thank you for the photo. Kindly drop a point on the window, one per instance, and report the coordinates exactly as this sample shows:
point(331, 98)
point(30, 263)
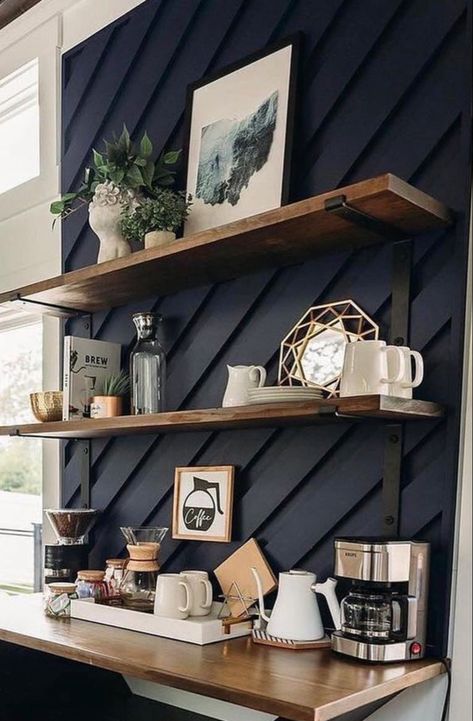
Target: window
point(19, 126)
point(20, 458)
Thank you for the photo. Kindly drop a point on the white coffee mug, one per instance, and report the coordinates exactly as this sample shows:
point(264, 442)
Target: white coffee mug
point(173, 596)
point(366, 370)
point(202, 594)
point(403, 389)
point(240, 380)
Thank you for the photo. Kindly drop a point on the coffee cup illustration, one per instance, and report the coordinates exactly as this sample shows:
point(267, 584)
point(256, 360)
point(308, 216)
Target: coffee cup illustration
point(201, 505)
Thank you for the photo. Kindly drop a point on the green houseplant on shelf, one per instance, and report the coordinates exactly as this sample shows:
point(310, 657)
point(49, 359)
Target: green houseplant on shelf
point(155, 220)
point(118, 179)
point(110, 403)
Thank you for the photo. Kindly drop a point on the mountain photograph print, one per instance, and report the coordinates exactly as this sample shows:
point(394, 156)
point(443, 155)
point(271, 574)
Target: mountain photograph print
point(240, 138)
point(231, 151)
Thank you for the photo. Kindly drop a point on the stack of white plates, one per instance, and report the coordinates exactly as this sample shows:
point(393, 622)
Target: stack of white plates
point(283, 394)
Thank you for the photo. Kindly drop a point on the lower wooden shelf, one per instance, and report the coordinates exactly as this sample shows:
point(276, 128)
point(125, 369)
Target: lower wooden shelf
point(274, 415)
point(311, 685)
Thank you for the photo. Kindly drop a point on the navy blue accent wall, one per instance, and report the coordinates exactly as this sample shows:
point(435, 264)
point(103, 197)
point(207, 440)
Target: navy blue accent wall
point(384, 87)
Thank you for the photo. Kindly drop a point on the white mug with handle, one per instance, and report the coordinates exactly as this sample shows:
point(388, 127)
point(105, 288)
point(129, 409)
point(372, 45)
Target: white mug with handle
point(173, 596)
point(366, 368)
point(240, 380)
point(403, 389)
point(202, 594)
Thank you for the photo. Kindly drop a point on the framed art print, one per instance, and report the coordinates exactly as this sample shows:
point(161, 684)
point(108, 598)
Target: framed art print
point(240, 125)
point(203, 503)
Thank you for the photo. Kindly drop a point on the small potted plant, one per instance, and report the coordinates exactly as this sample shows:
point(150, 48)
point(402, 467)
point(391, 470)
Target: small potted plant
point(119, 178)
point(110, 403)
point(155, 220)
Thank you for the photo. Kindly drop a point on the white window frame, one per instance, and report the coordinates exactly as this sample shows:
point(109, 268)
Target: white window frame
point(51, 372)
point(43, 43)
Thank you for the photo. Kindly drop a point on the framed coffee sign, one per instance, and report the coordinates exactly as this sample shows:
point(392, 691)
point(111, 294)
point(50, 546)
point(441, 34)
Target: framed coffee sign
point(203, 503)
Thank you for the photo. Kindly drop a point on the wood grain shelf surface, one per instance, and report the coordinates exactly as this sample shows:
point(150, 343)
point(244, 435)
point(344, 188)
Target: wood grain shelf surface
point(278, 237)
point(274, 415)
point(311, 685)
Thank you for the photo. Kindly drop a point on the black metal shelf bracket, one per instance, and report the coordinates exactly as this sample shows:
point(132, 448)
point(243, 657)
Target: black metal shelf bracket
point(55, 310)
point(394, 438)
point(84, 448)
point(391, 493)
point(338, 205)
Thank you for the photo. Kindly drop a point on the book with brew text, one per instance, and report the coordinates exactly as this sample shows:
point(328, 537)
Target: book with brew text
point(87, 363)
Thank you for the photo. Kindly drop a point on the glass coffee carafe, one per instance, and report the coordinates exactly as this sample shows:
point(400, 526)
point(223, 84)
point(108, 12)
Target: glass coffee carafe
point(138, 586)
point(147, 366)
point(373, 616)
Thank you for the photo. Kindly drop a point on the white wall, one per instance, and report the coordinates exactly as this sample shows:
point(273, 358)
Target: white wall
point(461, 706)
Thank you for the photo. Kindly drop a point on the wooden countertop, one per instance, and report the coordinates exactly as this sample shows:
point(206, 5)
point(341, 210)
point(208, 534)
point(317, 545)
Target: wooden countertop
point(297, 685)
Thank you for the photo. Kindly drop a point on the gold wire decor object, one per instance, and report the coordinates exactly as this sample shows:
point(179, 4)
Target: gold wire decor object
point(312, 353)
point(233, 595)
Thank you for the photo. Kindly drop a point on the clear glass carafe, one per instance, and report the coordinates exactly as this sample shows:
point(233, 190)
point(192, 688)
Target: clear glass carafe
point(371, 615)
point(138, 586)
point(147, 366)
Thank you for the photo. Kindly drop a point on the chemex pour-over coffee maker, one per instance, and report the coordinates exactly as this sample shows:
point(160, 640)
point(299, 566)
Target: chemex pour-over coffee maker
point(384, 615)
point(138, 586)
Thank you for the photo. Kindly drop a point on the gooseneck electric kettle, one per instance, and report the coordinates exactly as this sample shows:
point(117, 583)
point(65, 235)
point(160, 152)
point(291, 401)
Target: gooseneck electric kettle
point(296, 614)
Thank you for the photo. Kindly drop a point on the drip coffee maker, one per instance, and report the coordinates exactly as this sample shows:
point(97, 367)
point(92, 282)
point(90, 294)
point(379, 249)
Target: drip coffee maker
point(138, 587)
point(384, 614)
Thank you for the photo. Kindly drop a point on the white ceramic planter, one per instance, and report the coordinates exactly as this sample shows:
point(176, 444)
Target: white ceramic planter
point(104, 219)
point(155, 238)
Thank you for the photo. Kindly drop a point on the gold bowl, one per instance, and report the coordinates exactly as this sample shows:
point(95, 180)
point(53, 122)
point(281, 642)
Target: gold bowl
point(47, 406)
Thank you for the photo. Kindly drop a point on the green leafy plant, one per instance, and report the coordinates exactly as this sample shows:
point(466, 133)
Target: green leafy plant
point(166, 211)
point(127, 165)
point(117, 384)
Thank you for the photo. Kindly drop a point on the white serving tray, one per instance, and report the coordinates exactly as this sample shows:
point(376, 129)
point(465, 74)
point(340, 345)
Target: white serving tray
point(200, 630)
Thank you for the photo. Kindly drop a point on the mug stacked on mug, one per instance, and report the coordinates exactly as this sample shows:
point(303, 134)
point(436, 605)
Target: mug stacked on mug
point(180, 595)
point(372, 367)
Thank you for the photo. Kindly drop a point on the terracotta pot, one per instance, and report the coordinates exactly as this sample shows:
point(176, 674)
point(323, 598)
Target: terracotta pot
point(155, 238)
point(106, 406)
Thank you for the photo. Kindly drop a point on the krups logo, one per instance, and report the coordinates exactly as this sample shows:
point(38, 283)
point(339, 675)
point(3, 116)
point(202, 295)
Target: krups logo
point(350, 554)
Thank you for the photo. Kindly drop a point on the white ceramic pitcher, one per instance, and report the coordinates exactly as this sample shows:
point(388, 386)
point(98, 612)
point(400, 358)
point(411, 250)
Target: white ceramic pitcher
point(296, 614)
point(240, 380)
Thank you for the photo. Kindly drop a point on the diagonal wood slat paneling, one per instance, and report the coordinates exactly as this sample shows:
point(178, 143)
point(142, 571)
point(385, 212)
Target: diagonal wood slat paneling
point(383, 88)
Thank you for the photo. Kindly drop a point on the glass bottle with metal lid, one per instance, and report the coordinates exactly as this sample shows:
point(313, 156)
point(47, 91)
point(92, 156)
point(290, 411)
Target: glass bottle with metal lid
point(147, 366)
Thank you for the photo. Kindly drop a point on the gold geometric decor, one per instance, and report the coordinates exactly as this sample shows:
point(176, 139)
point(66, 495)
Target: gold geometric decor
point(312, 353)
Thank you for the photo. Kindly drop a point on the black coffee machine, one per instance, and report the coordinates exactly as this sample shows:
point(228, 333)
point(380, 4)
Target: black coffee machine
point(62, 563)
point(384, 615)
point(63, 559)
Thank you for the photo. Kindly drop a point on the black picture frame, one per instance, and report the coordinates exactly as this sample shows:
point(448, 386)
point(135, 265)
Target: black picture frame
point(295, 41)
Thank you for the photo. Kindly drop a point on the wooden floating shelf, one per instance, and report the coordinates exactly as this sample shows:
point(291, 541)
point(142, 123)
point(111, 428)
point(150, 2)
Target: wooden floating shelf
point(274, 415)
point(279, 237)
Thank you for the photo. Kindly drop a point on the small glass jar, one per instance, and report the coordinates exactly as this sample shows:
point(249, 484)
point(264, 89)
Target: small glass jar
point(57, 599)
point(114, 574)
point(91, 584)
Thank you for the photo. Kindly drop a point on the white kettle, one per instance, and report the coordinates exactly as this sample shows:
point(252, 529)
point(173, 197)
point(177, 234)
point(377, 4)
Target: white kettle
point(296, 614)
